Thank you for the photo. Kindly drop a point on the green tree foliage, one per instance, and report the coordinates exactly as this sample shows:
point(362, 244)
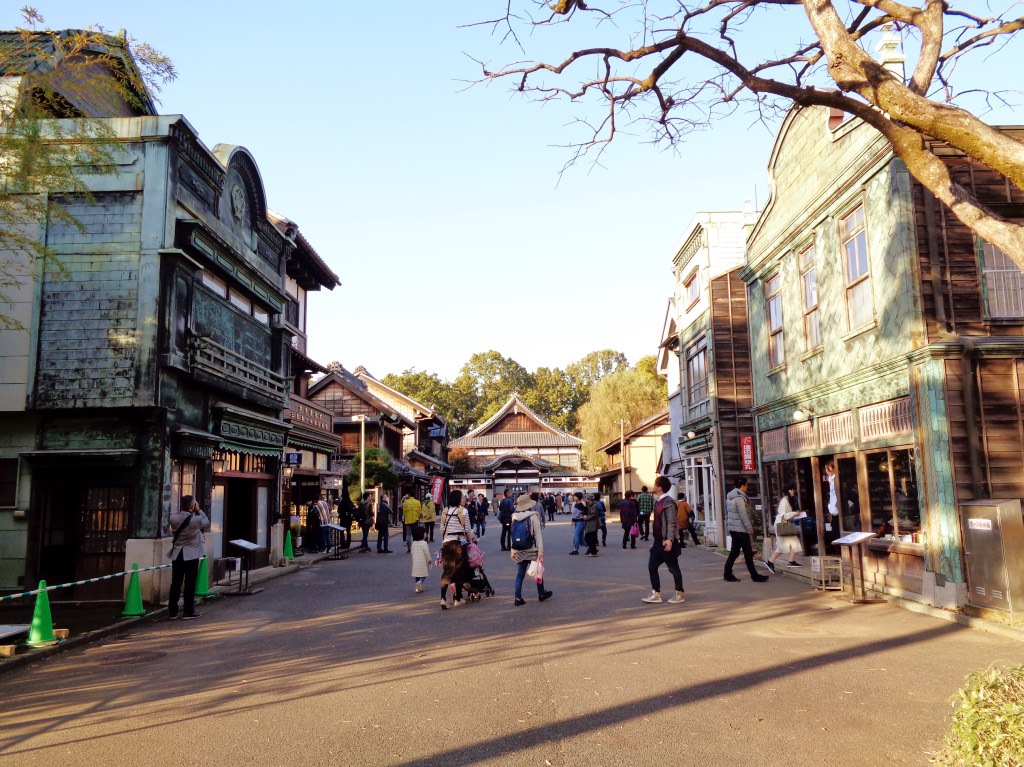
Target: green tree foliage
point(59, 85)
point(649, 367)
point(628, 395)
point(488, 379)
point(379, 469)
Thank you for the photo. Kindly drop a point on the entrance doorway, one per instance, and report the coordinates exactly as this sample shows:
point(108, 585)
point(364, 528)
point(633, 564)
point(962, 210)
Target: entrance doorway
point(83, 532)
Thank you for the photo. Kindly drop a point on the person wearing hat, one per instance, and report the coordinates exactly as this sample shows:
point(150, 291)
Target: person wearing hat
point(526, 511)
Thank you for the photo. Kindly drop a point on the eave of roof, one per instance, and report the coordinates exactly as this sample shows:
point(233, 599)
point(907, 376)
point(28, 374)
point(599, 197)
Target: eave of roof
point(514, 401)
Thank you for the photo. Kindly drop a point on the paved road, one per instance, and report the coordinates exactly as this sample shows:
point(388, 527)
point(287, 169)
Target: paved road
point(342, 663)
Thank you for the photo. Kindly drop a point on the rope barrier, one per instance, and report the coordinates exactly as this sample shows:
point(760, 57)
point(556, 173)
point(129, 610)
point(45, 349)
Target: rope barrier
point(24, 594)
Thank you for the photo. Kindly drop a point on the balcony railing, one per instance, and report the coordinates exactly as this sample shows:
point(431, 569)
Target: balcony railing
point(210, 356)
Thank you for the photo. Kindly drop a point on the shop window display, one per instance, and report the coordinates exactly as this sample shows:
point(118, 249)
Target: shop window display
point(892, 484)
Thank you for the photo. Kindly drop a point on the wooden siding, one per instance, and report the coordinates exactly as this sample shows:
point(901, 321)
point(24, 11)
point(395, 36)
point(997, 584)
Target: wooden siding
point(515, 422)
point(733, 386)
point(999, 411)
point(950, 274)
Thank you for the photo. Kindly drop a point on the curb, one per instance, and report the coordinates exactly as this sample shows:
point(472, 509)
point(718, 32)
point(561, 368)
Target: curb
point(259, 576)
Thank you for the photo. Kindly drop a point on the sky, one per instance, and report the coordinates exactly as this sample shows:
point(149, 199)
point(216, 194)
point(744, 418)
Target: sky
point(440, 207)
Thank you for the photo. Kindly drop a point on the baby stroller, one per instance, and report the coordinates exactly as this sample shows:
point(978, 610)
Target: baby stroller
point(477, 585)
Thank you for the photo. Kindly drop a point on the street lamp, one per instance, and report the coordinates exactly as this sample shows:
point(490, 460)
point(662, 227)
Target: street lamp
point(362, 454)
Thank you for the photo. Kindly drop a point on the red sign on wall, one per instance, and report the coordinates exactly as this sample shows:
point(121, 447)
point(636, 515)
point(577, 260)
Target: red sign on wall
point(747, 454)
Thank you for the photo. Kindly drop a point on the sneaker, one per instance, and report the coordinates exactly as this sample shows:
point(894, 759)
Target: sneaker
point(653, 599)
point(171, 617)
point(419, 588)
point(794, 564)
point(678, 599)
point(546, 595)
point(731, 578)
point(458, 603)
point(444, 604)
point(770, 566)
point(519, 602)
point(588, 554)
point(574, 553)
point(190, 616)
point(758, 578)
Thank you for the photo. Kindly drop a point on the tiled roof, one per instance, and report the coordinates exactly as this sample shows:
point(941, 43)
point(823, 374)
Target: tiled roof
point(514, 439)
point(518, 438)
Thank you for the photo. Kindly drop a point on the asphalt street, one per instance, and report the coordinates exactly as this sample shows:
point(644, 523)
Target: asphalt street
point(342, 663)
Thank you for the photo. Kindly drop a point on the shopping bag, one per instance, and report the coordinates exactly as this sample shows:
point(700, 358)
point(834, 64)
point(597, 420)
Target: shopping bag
point(634, 530)
point(536, 571)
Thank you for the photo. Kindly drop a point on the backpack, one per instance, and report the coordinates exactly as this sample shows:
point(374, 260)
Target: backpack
point(522, 535)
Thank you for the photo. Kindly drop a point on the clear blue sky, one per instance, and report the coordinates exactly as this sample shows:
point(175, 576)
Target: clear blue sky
point(440, 208)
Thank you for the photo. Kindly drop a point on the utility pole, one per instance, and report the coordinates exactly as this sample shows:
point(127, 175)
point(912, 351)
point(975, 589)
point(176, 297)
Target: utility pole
point(622, 455)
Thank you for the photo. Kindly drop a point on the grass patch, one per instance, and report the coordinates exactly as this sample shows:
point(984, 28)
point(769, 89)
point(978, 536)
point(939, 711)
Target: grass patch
point(988, 721)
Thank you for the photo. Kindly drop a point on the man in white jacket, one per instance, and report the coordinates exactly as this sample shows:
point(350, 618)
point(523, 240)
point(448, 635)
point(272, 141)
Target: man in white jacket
point(188, 546)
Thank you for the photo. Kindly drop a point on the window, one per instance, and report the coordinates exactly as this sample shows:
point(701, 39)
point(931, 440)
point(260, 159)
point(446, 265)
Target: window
point(892, 484)
point(809, 281)
point(692, 288)
point(183, 481)
point(216, 284)
point(261, 315)
point(697, 381)
point(860, 308)
point(1004, 284)
point(773, 296)
point(8, 481)
point(242, 302)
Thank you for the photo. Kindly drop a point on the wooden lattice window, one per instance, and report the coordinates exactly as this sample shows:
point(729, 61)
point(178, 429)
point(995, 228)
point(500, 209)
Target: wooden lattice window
point(1004, 284)
point(801, 436)
point(836, 429)
point(773, 442)
point(886, 419)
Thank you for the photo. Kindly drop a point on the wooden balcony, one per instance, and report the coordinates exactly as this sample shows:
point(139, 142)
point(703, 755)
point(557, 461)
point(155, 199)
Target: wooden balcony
point(221, 367)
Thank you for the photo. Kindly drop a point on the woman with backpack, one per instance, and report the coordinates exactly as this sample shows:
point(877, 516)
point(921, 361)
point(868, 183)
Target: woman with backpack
point(527, 542)
point(456, 532)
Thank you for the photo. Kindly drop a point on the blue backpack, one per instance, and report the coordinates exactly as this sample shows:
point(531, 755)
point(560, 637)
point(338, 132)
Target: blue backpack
point(522, 535)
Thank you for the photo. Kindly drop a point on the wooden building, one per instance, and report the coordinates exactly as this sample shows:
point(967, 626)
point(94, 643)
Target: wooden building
point(712, 426)
point(517, 449)
point(888, 351)
point(637, 456)
point(155, 365)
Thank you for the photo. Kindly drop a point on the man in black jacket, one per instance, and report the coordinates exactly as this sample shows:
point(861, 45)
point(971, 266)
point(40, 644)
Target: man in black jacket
point(506, 509)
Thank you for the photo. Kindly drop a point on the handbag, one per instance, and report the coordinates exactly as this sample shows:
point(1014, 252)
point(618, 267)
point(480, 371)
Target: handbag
point(786, 528)
point(634, 530)
point(177, 532)
point(536, 571)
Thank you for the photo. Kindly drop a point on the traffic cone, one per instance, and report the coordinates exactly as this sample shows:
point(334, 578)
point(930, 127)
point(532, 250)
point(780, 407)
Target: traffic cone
point(41, 632)
point(133, 601)
point(289, 552)
point(203, 579)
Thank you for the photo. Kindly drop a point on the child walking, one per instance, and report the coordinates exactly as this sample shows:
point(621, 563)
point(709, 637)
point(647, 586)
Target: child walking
point(420, 557)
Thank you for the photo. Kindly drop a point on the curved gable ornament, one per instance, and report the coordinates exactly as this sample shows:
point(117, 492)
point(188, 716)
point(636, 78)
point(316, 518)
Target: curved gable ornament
point(243, 198)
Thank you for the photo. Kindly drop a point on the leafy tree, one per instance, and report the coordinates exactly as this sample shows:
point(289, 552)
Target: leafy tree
point(551, 396)
point(628, 395)
point(379, 469)
point(459, 459)
point(679, 67)
point(57, 87)
point(649, 367)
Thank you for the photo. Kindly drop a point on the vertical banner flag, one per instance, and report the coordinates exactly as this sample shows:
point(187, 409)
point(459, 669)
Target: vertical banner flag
point(747, 454)
point(436, 486)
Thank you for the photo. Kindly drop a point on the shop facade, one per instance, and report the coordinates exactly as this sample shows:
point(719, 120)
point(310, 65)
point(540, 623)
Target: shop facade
point(887, 354)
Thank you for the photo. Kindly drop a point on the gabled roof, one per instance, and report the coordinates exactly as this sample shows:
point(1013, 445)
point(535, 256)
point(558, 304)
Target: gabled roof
point(519, 456)
point(343, 378)
point(545, 435)
point(369, 380)
point(653, 421)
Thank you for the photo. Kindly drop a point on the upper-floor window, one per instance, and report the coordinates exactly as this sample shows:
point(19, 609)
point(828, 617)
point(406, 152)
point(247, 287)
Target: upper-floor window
point(809, 281)
point(692, 289)
point(773, 298)
point(697, 381)
point(215, 283)
point(1004, 284)
point(296, 311)
point(860, 309)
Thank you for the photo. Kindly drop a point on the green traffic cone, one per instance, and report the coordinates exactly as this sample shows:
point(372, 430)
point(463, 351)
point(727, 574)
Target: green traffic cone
point(41, 632)
point(289, 552)
point(133, 601)
point(203, 579)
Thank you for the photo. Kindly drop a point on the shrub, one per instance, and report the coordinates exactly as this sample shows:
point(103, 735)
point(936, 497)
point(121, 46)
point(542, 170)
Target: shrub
point(988, 723)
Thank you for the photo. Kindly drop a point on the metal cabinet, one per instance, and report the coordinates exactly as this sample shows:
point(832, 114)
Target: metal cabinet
point(993, 535)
